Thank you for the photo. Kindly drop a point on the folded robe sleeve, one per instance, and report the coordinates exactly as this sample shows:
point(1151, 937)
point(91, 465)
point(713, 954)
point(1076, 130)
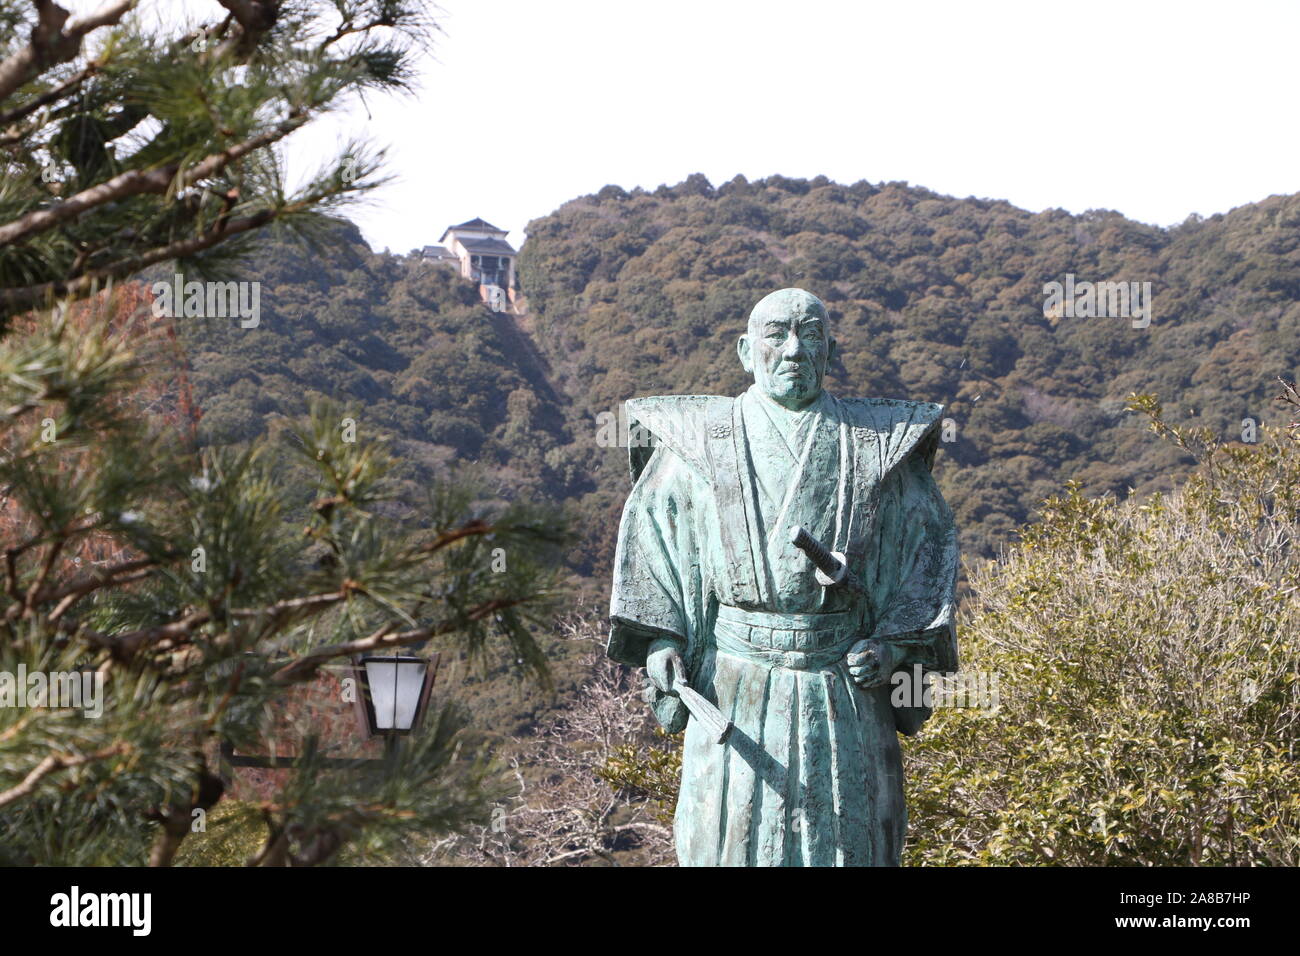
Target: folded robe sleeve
point(917, 599)
point(648, 600)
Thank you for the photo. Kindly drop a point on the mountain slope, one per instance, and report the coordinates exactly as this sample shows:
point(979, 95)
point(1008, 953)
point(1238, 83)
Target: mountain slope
point(406, 346)
point(932, 298)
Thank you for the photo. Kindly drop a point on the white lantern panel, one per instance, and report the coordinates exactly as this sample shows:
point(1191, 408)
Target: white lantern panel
point(395, 688)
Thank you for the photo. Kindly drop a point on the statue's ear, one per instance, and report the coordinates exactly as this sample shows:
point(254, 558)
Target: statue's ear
point(830, 352)
point(744, 351)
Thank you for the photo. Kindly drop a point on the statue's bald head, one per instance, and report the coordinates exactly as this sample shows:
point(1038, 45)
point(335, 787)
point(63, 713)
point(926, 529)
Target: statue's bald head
point(787, 346)
point(788, 302)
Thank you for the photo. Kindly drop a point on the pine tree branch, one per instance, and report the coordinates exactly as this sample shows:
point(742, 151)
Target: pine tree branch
point(174, 829)
point(128, 644)
point(311, 602)
point(51, 43)
point(60, 91)
point(19, 726)
point(52, 764)
point(255, 16)
point(303, 667)
point(21, 408)
point(138, 182)
point(276, 847)
point(26, 297)
point(29, 601)
point(131, 183)
point(11, 576)
point(446, 538)
point(99, 578)
point(29, 296)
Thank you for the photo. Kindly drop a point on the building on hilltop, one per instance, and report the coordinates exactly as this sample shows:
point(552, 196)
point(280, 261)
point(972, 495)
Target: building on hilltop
point(482, 254)
point(440, 255)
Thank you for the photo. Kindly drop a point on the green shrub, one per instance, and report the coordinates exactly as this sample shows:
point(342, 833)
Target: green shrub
point(1146, 663)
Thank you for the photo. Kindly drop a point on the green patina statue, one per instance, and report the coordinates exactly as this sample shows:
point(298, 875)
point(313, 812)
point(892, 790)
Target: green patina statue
point(784, 659)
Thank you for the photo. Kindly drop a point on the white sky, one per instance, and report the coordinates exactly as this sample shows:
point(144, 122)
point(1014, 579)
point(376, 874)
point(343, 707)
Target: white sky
point(1156, 109)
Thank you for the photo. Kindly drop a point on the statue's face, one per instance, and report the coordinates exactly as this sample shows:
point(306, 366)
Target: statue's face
point(788, 346)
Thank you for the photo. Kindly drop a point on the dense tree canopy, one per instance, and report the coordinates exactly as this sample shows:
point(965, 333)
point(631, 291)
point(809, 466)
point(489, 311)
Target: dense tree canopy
point(934, 298)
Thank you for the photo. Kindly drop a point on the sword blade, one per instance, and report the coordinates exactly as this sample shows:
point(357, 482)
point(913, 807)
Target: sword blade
point(703, 710)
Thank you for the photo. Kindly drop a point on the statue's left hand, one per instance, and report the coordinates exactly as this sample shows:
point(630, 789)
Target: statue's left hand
point(871, 662)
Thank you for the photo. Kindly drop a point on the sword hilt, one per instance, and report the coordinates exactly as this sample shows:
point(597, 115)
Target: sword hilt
point(821, 557)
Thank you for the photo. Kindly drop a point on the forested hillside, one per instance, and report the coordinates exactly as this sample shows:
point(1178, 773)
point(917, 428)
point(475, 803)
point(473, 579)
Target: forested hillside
point(637, 293)
point(934, 298)
point(407, 348)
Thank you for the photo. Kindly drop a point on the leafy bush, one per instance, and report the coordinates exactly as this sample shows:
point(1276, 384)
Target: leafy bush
point(1146, 662)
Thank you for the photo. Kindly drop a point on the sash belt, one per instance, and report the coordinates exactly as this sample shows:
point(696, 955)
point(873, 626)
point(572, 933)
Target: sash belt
point(778, 639)
point(786, 621)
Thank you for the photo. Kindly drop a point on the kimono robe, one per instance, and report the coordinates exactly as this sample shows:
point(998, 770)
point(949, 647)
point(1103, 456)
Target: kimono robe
point(811, 774)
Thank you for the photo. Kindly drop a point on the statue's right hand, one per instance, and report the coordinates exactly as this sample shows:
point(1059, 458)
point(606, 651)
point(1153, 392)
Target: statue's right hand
point(662, 663)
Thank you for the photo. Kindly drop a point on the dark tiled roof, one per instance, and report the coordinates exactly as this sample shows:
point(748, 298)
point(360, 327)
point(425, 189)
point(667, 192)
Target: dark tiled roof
point(491, 247)
point(477, 225)
point(437, 252)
